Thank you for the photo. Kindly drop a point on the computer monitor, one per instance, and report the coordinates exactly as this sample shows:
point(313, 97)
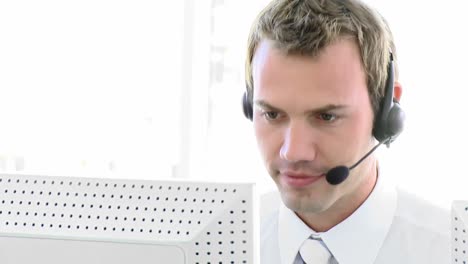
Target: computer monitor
point(72, 220)
point(459, 232)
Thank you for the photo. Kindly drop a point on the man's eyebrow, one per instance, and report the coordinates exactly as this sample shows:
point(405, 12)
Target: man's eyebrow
point(329, 107)
point(264, 105)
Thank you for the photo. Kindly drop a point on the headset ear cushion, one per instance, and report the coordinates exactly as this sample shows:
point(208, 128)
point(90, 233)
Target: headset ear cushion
point(395, 121)
point(247, 106)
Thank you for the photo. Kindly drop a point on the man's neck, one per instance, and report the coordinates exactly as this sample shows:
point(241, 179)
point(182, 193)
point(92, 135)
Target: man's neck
point(345, 206)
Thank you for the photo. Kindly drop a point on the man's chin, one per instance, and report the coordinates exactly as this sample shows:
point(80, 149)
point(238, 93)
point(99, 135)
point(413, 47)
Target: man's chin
point(302, 203)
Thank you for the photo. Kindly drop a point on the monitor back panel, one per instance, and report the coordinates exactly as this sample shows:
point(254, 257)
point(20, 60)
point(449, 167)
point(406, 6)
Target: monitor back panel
point(459, 240)
point(82, 220)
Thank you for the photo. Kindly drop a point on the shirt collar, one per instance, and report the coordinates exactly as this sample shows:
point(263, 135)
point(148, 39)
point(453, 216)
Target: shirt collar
point(292, 232)
point(365, 229)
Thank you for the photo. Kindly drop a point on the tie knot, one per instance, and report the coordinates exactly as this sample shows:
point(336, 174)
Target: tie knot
point(314, 252)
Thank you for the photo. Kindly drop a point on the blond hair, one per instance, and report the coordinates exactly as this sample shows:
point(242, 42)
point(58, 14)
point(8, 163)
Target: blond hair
point(305, 27)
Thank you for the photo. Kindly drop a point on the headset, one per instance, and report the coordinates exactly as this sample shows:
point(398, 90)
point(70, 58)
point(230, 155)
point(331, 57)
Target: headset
point(389, 121)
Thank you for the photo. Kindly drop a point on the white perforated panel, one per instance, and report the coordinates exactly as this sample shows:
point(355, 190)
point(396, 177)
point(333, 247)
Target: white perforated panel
point(211, 222)
point(459, 232)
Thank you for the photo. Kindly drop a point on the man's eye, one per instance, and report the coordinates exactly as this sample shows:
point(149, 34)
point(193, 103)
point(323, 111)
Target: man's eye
point(327, 117)
point(271, 115)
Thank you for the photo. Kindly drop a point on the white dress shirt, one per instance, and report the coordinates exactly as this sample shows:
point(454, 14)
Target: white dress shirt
point(390, 227)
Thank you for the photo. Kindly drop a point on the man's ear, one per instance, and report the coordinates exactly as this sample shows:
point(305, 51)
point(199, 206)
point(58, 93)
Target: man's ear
point(397, 91)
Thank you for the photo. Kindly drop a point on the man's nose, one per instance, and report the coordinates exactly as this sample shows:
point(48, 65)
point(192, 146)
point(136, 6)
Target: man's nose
point(299, 143)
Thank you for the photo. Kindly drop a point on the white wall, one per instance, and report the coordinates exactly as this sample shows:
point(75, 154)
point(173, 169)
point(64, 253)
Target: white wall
point(90, 87)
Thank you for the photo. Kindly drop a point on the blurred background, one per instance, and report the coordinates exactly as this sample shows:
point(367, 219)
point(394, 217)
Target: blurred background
point(152, 90)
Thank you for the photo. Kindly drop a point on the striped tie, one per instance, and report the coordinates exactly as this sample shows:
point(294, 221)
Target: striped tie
point(313, 251)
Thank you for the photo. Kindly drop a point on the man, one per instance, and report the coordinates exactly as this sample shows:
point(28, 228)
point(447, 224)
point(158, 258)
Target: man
point(321, 79)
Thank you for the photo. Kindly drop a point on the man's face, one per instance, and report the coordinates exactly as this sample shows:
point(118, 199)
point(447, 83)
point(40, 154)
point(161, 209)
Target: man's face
point(310, 115)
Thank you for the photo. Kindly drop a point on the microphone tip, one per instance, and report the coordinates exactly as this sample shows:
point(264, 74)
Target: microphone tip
point(337, 175)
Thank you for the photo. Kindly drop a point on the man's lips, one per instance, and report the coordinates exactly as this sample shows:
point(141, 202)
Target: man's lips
point(298, 180)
